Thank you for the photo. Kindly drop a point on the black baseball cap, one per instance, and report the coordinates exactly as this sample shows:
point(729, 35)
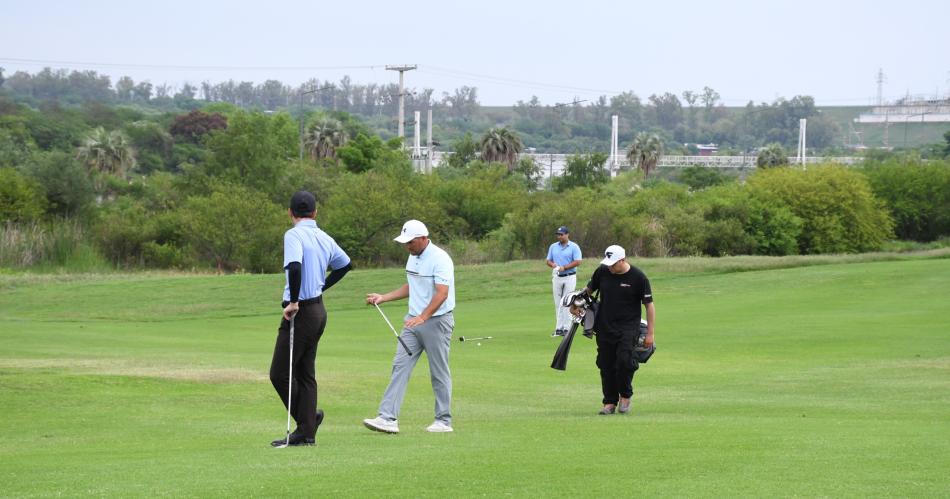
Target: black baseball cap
point(303, 203)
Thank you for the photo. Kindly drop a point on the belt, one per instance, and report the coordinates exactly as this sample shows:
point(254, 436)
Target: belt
point(567, 274)
point(304, 303)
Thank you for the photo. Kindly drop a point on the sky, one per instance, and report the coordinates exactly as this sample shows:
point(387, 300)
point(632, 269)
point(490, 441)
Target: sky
point(557, 50)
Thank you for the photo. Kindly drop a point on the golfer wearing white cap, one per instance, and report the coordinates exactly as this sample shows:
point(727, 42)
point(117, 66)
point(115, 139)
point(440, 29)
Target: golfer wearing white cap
point(426, 328)
point(623, 288)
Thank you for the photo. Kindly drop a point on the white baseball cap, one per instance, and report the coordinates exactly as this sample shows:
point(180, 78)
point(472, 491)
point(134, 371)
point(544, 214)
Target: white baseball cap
point(613, 254)
point(411, 230)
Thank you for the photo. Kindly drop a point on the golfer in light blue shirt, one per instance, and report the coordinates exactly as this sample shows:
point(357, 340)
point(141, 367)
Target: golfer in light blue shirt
point(564, 256)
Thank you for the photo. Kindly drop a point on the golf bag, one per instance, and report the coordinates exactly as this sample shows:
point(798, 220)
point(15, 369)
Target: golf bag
point(583, 311)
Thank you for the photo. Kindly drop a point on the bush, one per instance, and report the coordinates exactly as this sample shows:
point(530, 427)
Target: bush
point(21, 198)
point(838, 210)
point(700, 177)
point(740, 223)
point(69, 192)
point(917, 196)
point(478, 202)
point(235, 228)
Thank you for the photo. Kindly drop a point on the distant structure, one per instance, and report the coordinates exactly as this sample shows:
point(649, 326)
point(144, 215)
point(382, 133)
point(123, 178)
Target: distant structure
point(909, 110)
point(707, 149)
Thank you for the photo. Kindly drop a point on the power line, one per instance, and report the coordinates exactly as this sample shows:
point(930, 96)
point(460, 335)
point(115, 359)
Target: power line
point(181, 67)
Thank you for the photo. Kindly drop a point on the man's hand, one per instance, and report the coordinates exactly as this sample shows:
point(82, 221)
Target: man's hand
point(648, 341)
point(555, 271)
point(414, 321)
point(290, 310)
point(374, 299)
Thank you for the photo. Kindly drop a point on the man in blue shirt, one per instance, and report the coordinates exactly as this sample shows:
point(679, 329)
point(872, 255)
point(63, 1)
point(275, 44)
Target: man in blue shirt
point(563, 258)
point(308, 252)
point(427, 327)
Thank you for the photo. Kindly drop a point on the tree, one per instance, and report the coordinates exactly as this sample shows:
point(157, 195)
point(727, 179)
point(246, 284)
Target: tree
point(193, 126)
point(501, 145)
point(771, 156)
point(106, 153)
point(645, 152)
point(464, 151)
point(583, 170)
point(324, 137)
point(254, 150)
point(124, 88)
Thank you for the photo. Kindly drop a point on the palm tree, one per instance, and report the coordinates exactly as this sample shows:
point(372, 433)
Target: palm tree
point(645, 152)
point(501, 145)
point(106, 153)
point(324, 137)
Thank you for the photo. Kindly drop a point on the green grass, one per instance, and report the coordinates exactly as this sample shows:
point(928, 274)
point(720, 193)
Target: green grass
point(806, 376)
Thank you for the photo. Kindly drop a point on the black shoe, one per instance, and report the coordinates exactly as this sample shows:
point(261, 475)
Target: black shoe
point(319, 419)
point(295, 440)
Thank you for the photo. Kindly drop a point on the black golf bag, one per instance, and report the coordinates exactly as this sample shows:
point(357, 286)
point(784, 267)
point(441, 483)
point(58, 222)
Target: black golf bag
point(583, 311)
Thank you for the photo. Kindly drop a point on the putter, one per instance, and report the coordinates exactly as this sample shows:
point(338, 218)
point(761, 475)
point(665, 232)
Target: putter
point(462, 338)
point(290, 380)
point(409, 352)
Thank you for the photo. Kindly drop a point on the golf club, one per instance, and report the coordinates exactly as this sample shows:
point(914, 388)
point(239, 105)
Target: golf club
point(462, 338)
point(290, 380)
point(409, 352)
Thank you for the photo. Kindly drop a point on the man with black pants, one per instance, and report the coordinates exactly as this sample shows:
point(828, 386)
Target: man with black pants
point(623, 288)
point(308, 252)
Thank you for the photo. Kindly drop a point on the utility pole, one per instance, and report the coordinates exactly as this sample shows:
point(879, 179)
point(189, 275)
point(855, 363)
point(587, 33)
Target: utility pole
point(880, 87)
point(402, 94)
point(429, 141)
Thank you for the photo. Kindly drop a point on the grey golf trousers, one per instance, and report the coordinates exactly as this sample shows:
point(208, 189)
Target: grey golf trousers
point(434, 337)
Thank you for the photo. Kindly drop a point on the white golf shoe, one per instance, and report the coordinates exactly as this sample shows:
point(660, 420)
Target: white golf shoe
point(381, 425)
point(438, 427)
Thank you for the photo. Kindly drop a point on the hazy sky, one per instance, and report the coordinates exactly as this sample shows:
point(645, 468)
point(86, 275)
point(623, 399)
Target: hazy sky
point(558, 50)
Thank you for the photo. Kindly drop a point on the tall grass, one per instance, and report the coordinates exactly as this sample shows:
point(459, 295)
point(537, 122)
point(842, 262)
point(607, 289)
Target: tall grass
point(61, 244)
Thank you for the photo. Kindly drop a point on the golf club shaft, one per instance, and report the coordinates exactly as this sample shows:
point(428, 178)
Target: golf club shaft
point(290, 376)
point(403, 343)
point(462, 338)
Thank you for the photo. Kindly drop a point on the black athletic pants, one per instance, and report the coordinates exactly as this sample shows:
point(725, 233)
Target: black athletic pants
point(309, 323)
point(616, 361)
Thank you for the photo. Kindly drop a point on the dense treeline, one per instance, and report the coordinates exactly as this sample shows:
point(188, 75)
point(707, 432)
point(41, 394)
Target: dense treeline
point(96, 186)
point(579, 126)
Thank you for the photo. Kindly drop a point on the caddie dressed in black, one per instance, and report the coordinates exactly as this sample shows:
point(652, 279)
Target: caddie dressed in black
point(623, 289)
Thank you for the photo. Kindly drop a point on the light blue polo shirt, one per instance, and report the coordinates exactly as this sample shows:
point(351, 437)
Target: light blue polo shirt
point(433, 266)
point(563, 255)
point(316, 251)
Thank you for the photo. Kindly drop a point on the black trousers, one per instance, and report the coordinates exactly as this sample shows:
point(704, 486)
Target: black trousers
point(616, 361)
point(309, 324)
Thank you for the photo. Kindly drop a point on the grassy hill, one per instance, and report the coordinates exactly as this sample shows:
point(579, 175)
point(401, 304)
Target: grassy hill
point(804, 376)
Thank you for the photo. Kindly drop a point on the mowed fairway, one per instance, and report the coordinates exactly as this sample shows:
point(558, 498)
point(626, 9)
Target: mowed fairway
point(827, 380)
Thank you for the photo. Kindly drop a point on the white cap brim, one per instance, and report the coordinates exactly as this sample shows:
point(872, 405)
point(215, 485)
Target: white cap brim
point(404, 238)
point(610, 261)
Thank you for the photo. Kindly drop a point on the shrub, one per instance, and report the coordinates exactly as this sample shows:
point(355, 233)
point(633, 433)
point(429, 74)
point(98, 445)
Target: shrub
point(917, 196)
point(69, 192)
point(21, 198)
point(838, 210)
point(235, 228)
